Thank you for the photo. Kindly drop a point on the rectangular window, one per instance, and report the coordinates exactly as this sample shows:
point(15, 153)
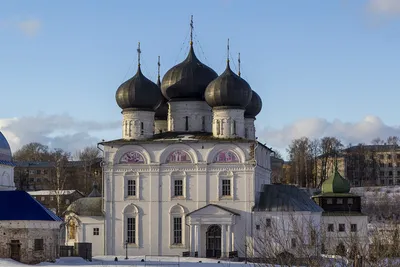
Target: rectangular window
point(234, 127)
point(45, 172)
point(293, 242)
point(339, 201)
point(331, 227)
point(257, 227)
point(350, 201)
point(390, 165)
point(177, 230)
point(187, 123)
point(342, 227)
point(131, 230)
point(178, 188)
point(131, 187)
point(203, 123)
point(353, 227)
point(390, 173)
point(268, 223)
point(42, 198)
point(96, 231)
point(389, 156)
point(226, 187)
point(382, 173)
point(141, 128)
point(38, 171)
point(39, 245)
point(329, 201)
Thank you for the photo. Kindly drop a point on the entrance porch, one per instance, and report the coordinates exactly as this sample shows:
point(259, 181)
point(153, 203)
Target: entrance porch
point(212, 231)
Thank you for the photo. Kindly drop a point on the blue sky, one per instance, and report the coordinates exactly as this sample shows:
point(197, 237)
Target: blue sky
point(321, 67)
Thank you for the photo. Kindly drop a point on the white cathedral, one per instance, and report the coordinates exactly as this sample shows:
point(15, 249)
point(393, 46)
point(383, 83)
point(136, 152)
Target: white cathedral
point(188, 176)
point(188, 170)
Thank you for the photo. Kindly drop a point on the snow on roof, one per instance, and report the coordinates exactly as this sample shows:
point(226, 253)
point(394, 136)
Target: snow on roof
point(53, 192)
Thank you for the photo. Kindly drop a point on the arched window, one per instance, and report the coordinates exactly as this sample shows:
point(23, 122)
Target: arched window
point(226, 156)
point(131, 224)
point(177, 225)
point(179, 156)
point(141, 128)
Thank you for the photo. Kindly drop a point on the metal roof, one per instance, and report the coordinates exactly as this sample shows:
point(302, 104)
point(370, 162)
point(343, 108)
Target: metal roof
point(20, 206)
point(280, 197)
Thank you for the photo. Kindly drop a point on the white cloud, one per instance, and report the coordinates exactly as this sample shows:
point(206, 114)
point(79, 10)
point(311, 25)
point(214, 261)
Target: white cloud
point(56, 131)
point(384, 7)
point(29, 27)
point(363, 131)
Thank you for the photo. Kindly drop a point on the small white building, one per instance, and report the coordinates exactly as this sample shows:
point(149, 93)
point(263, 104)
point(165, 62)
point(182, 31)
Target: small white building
point(85, 222)
point(286, 221)
point(29, 231)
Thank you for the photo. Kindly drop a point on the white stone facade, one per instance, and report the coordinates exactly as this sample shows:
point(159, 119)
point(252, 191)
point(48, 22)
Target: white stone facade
point(7, 177)
point(30, 241)
point(137, 124)
point(165, 185)
point(161, 126)
point(228, 123)
point(189, 116)
point(249, 128)
point(289, 231)
point(346, 230)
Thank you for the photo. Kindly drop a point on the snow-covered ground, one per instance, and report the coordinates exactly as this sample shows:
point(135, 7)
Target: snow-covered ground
point(134, 261)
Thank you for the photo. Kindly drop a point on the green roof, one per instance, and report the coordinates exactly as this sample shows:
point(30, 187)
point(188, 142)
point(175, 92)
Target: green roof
point(336, 184)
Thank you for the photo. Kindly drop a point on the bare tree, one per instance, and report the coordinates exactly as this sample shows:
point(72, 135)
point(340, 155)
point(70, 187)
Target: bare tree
point(88, 157)
point(330, 147)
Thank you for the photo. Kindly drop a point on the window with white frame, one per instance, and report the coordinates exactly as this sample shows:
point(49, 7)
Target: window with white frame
point(131, 187)
point(131, 230)
point(178, 185)
point(131, 219)
point(96, 231)
point(226, 184)
point(177, 229)
point(226, 187)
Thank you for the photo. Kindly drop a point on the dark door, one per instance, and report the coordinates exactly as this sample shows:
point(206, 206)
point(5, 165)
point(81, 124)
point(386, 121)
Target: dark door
point(213, 242)
point(15, 250)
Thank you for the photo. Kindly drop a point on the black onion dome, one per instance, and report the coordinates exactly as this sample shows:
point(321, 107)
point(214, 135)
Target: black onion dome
point(188, 80)
point(138, 93)
point(228, 91)
point(254, 107)
point(162, 110)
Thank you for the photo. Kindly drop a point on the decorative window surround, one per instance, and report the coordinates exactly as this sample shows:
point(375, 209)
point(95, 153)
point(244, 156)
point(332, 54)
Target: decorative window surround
point(136, 178)
point(178, 176)
point(131, 211)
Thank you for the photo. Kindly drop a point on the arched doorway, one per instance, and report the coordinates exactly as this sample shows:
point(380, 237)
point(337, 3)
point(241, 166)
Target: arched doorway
point(213, 242)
